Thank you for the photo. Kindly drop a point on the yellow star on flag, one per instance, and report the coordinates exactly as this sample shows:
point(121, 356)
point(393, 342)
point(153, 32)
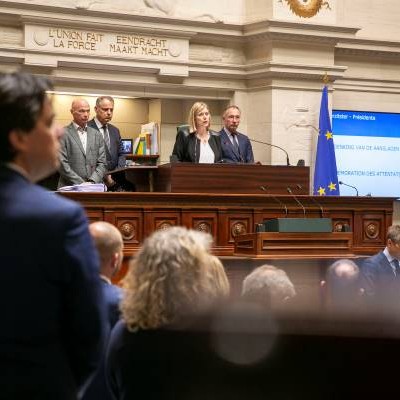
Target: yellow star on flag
point(321, 191)
point(328, 135)
point(332, 186)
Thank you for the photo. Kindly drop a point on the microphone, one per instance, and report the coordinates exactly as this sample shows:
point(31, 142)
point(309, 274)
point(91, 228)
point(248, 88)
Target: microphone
point(346, 184)
point(264, 189)
point(297, 200)
point(273, 145)
point(299, 187)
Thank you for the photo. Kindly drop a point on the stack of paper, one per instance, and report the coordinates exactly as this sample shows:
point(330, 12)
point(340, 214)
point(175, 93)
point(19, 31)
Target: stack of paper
point(84, 187)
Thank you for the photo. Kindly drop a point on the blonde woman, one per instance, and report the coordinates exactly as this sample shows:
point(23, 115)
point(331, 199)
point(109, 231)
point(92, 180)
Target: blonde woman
point(166, 283)
point(201, 145)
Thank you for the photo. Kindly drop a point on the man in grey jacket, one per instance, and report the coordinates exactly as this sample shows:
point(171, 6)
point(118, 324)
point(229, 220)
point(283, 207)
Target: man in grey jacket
point(82, 153)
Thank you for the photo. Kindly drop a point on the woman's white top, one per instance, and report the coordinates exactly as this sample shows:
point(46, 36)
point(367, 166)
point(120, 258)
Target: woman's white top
point(206, 152)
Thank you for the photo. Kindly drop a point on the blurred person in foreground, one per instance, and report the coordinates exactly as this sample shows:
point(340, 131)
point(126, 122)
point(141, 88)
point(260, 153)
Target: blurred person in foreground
point(167, 283)
point(110, 245)
point(201, 145)
point(342, 291)
point(381, 273)
point(218, 278)
point(52, 318)
point(268, 286)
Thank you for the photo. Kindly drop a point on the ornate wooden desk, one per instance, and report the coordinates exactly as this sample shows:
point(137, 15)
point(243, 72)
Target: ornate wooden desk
point(226, 216)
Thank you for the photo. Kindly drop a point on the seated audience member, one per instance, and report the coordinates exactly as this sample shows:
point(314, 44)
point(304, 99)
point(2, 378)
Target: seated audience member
point(109, 244)
point(342, 289)
point(82, 154)
point(166, 283)
point(218, 277)
point(201, 145)
point(268, 286)
point(236, 147)
point(52, 317)
point(381, 272)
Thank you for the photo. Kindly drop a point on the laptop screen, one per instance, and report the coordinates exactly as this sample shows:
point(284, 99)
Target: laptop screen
point(127, 146)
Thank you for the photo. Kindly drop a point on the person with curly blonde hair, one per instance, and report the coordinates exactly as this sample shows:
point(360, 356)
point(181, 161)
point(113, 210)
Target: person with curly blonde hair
point(218, 279)
point(168, 281)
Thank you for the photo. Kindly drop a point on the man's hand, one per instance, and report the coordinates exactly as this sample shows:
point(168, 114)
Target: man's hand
point(109, 181)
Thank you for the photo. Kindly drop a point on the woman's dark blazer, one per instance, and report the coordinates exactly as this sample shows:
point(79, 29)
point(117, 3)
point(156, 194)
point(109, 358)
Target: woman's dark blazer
point(187, 147)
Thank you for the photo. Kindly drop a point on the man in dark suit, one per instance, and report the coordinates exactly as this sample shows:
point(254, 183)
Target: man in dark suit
point(109, 244)
point(82, 154)
point(52, 313)
point(236, 147)
point(381, 273)
point(113, 144)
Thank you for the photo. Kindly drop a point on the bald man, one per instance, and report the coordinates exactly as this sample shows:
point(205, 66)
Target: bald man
point(108, 241)
point(82, 153)
point(342, 290)
point(269, 287)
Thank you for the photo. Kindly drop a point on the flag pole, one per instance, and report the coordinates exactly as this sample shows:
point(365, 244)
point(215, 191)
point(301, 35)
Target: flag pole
point(325, 78)
point(325, 171)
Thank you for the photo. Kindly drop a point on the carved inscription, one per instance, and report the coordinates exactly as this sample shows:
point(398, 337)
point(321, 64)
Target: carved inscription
point(105, 44)
point(133, 44)
point(72, 39)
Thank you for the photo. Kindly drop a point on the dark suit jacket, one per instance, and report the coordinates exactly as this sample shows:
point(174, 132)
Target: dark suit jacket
point(379, 280)
point(98, 389)
point(152, 364)
point(187, 147)
point(52, 317)
point(230, 154)
point(77, 166)
point(112, 297)
point(114, 155)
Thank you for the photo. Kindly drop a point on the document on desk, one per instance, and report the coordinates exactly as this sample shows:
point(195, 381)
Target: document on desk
point(84, 187)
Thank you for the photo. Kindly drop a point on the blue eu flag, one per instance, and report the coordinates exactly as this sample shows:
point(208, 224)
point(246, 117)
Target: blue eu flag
point(325, 174)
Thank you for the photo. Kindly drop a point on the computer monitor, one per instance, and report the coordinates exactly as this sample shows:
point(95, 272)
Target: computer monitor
point(127, 145)
point(367, 148)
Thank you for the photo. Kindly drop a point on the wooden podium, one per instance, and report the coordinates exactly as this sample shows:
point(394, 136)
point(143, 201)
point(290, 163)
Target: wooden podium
point(142, 176)
point(230, 178)
point(294, 245)
point(217, 178)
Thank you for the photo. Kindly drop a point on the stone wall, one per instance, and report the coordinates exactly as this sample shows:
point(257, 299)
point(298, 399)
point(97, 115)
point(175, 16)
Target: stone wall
point(166, 54)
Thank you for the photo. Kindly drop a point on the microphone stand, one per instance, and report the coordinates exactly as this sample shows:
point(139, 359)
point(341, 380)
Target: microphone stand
point(273, 145)
point(345, 184)
point(297, 201)
point(264, 189)
point(299, 187)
